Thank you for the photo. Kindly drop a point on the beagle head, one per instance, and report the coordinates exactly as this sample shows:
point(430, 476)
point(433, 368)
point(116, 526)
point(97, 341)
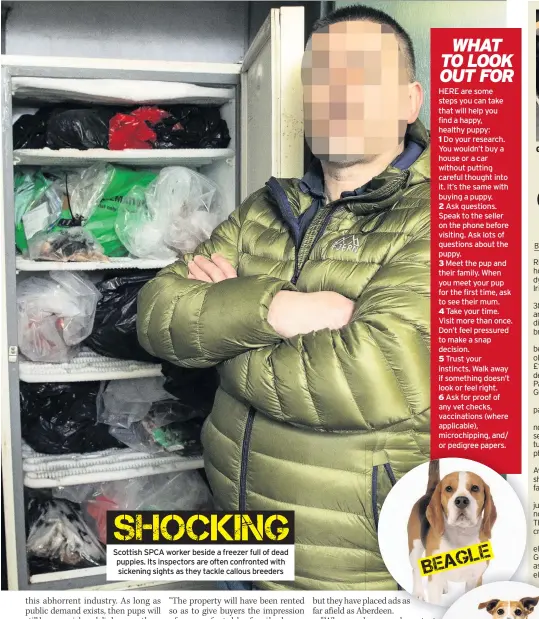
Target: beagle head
point(462, 499)
point(510, 610)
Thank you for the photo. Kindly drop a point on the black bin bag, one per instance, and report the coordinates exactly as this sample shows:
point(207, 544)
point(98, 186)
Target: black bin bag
point(194, 387)
point(192, 126)
point(81, 129)
point(30, 130)
point(115, 325)
point(58, 418)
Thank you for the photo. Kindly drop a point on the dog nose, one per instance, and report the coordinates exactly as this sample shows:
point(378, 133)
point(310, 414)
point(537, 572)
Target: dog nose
point(462, 502)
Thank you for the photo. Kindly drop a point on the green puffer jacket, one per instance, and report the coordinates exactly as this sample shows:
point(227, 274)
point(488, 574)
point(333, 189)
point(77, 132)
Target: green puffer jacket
point(324, 423)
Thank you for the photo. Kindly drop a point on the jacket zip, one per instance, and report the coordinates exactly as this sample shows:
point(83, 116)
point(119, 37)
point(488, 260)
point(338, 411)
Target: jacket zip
point(245, 457)
point(374, 493)
point(374, 489)
point(307, 244)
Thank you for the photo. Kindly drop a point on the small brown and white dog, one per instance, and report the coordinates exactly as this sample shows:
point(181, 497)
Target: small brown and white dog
point(456, 511)
point(510, 610)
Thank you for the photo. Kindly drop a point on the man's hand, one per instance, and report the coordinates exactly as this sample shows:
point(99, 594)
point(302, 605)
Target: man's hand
point(215, 270)
point(295, 313)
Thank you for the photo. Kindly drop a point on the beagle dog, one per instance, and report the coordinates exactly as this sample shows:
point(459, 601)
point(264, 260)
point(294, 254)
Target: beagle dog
point(510, 610)
point(454, 512)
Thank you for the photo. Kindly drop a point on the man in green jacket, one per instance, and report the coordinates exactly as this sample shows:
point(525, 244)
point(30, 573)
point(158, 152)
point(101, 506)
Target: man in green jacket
point(313, 301)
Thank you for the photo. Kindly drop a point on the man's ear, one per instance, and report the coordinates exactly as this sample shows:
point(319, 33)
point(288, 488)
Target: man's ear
point(490, 605)
point(415, 97)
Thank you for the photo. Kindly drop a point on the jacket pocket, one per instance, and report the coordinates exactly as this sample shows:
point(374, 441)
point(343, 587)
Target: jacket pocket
point(382, 480)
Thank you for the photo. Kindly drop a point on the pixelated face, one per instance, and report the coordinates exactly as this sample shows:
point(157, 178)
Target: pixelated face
point(356, 92)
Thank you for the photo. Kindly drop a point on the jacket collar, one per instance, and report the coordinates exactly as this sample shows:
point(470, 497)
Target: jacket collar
point(298, 197)
point(416, 141)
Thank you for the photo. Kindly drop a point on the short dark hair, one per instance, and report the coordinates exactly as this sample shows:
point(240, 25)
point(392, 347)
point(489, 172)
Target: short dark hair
point(359, 12)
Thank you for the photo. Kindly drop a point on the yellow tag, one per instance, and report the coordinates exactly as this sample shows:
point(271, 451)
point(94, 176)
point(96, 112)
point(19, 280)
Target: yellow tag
point(455, 559)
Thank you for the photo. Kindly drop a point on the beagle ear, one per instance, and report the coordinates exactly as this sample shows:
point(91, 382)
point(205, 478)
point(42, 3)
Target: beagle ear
point(489, 514)
point(529, 603)
point(490, 605)
point(435, 514)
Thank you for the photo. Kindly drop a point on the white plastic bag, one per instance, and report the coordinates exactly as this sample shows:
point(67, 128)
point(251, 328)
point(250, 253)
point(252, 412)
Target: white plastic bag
point(191, 205)
point(168, 492)
point(183, 208)
point(138, 230)
point(55, 313)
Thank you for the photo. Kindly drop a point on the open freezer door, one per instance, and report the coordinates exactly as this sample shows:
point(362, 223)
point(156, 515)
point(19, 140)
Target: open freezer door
point(272, 101)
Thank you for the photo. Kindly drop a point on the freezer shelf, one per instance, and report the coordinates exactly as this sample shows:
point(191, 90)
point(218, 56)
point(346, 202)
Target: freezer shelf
point(86, 366)
point(116, 92)
point(24, 264)
point(155, 158)
point(68, 574)
point(45, 471)
point(48, 579)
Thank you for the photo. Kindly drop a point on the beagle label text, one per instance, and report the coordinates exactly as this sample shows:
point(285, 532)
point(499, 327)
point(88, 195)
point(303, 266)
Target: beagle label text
point(453, 559)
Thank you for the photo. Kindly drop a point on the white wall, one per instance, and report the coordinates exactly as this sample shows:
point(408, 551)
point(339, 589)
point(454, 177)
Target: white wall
point(188, 31)
point(418, 16)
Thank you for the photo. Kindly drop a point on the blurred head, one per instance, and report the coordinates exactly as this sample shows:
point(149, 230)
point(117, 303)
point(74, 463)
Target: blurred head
point(359, 86)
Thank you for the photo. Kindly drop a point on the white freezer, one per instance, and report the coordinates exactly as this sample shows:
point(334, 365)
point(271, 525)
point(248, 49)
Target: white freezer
point(261, 100)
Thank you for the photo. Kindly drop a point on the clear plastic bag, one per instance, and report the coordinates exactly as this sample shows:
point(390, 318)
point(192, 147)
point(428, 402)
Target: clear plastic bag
point(138, 230)
point(86, 188)
point(145, 417)
point(193, 204)
point(162, 432)
point(79, 193)
point(66, 245)
point(170, 491)
point(59, 535)
point(55, 314)
point(124, 402)
point(182, 209)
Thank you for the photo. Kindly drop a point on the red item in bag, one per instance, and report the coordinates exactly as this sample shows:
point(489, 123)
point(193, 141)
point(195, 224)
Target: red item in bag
point(134, 130)
point(98, 509)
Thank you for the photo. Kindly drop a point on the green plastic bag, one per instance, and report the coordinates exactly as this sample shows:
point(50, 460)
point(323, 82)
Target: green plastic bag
point(30, 187)
point(102, 222)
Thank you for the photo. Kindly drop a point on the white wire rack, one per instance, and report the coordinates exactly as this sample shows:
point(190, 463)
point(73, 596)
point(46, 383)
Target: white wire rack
point(24, 264)
point(86, 366)
point(45, 471)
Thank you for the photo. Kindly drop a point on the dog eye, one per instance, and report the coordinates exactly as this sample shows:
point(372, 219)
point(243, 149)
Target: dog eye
point(475, 488)
point(448, 489)
point(518, 612)
point(501, 611)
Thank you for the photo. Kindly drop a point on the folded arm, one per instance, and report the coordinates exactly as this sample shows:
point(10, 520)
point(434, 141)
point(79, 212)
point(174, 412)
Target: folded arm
point(371, 373)
point(196, 323)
